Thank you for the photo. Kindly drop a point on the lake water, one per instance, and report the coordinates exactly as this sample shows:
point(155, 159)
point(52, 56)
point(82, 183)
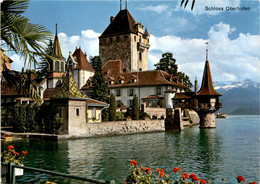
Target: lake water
point(229, 150)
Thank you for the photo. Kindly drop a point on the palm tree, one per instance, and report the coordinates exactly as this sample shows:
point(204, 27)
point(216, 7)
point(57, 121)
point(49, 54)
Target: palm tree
point(24, 38)
point(186, 2)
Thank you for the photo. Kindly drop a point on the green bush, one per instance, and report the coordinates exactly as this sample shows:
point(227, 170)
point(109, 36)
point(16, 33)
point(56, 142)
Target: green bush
point(119, 116)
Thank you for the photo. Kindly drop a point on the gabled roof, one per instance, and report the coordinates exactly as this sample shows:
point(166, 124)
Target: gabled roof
point(91, 102)
point(82, 62)
point(69, 87)
point(207, 84)
point(123, 23)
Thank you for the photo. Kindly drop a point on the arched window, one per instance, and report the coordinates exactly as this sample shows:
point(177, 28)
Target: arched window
point(56, 66)
point(62, 66)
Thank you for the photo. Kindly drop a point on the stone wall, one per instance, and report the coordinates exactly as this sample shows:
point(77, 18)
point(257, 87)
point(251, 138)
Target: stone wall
point(118, 128)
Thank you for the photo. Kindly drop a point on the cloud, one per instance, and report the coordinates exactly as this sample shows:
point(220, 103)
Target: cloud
point(230, 59)
point(162, 8)
point(88, 41)
point(216, 7)
point(18, 63)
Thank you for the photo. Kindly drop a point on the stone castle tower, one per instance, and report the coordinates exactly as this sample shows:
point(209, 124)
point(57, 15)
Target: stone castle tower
point(126, 40)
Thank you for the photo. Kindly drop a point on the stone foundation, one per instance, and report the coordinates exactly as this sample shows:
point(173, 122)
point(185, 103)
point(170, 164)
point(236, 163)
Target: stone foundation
point(207, 120)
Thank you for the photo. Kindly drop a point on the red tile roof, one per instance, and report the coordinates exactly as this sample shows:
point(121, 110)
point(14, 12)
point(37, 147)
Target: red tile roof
point(49, 93)
point(115, 70)
point(92, 102)
point(82, 61)
point(207, 84)
point(181, 96)
point(123, 23)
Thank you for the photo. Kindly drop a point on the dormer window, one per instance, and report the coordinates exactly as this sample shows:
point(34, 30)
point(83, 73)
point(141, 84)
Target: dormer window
point(121, 81)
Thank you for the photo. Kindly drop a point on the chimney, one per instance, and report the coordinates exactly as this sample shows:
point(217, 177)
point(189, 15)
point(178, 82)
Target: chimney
point(111, 19)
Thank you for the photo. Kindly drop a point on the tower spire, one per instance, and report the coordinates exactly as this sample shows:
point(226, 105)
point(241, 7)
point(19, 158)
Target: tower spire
point(207, 50)
point(56, 29)
point(120, 5)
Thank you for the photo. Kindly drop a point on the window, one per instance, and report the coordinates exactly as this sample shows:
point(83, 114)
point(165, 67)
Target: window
point(158, 91)
point(56, 66)
point(118, 92)
point(93, 112)
point(140, 69)
point(135, 38)
point(77, 111)
point(140, 55)
point(62, 66)
point(140, 39)
point(131, 92)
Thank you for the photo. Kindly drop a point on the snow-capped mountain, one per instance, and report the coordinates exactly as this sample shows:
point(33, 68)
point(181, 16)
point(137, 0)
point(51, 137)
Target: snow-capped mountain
point(238, 84)
point(240, 97)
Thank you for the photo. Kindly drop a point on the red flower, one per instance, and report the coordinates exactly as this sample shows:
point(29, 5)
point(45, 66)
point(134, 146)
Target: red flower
point(16, 153)
point(133, 163)
point(160, 172)
point(25, 152)
point(253, 182)
point(176, 169)
point(185, 175)
point(240, 178)
point(146, 169)
point(193, 177)
point(10, 147)
point(202, 181)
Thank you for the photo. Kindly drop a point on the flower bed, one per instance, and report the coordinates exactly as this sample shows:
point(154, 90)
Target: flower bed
point(144, 175)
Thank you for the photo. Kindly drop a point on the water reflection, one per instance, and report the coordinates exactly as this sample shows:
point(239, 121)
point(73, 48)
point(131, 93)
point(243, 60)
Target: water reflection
point(229, 150)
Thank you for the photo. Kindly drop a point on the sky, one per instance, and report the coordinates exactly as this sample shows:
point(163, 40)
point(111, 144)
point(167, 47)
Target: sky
point(233, 35)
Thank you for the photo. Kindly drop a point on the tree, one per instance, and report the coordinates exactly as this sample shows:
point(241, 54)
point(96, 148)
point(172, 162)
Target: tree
point(135, 110)
point(24, 38)
point(167, 63)
point(99, 85)
point(95, 62)
point(44, 64)
point(192, 5)
point(112, 108)
point(184, 79)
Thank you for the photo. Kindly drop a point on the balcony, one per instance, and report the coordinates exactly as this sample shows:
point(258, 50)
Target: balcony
point(142, 46)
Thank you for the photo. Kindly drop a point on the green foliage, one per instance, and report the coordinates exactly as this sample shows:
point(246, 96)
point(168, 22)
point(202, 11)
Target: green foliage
point(99, 85)
point(143, 115)
point(119, 116)
point(135, 111)
point(43, 67)
point(34, 118)
point(184, 79)
point(167, 63)
point(112, 108)
point(96, 63)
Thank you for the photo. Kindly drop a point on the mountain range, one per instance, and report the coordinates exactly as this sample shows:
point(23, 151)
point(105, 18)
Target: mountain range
point(239, 98)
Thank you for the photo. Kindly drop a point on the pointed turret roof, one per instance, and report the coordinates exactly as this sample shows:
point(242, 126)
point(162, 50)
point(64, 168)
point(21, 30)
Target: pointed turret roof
point(207, 84)
point(69, 87)
point(123, 23)
point(81, 59)
point(146, 33)
point(56, 52)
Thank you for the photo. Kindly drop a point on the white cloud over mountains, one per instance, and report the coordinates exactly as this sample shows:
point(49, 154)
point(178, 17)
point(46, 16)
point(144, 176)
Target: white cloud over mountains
point(230, 59)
